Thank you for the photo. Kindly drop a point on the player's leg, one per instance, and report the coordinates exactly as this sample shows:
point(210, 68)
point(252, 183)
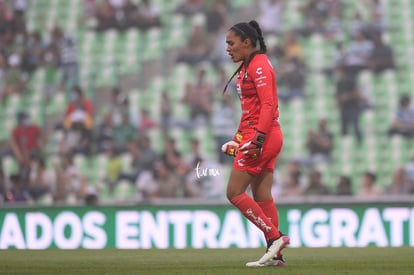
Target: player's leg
point(261, 189)
point(238, 183)
point(239, 180)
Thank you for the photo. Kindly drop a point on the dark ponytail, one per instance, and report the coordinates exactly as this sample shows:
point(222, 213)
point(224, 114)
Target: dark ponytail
point(256, 26)
point(252, 31)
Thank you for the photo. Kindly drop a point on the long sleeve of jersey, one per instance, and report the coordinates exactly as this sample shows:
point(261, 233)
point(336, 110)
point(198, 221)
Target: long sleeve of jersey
point(267, 100)
point(258, 95)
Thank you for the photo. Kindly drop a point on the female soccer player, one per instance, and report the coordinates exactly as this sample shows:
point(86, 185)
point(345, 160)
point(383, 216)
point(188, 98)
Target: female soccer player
point(258, 140)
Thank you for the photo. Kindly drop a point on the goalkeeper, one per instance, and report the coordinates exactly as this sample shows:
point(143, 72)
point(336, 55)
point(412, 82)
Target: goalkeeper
point(258, 140)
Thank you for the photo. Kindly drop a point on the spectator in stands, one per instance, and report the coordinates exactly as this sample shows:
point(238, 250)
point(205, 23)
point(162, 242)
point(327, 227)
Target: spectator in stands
point(216, 17)
point(165, 112)
point(400, 184)
point(381, 57)
point(114, 168)
point(49, 61)
point(190, 7)
point(77, 139)
point(270, 16)
point(358, 53)
point(292, 79)
point(19, 8)
point(334, 21)
point(338, 60)
point(104, 134)
point(106, 16)
point(291, 48)
point(123, 134)
point(27, 140)
point(71, 185)
point(146, 155)
point(14, 81)
point(315, 185)
point(146, 122)
point(114, 108)
point(197, 49)
point(18, 191)
point(78, 124)
point(319, 143)
point(315, 13)
point(18, 46)
point(356, 25)
point(69, 67)
point(222, 123)
point(149, 15)
point(118, 104)
point(33, 52)
point(369, 188)
point(171, 156)
point(199, 98)
point(6, 17)
point(292, 180)
point(348, 100)
point(89, 10)
point(41, 180)
point(403, 123)
point(127, 15)
point(377, 21)
point(292, 186)
point(143, 158)
point(195, 154)
point(160, 182)
point(344, 186)
point(78, 100)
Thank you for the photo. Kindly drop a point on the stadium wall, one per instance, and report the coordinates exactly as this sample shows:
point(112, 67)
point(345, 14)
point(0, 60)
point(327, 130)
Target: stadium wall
point(204, 226)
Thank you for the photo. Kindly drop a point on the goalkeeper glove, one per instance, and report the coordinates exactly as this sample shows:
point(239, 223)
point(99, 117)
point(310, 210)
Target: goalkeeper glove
point(231, 147)
point(253, 148)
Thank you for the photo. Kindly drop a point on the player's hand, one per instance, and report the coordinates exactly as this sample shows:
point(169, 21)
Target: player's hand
point(230, 148)
point(253, 148)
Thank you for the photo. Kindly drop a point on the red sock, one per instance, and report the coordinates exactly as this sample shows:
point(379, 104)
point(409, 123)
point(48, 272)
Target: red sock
point(270, 210)
point(252, 211)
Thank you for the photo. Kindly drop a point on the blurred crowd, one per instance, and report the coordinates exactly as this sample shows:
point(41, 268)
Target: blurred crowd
point(121, 135)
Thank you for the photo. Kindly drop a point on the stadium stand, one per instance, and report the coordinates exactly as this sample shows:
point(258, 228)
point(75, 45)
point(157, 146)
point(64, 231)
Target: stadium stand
point(105, 58)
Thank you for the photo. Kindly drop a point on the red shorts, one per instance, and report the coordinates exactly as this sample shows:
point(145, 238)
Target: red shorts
point(270, 151)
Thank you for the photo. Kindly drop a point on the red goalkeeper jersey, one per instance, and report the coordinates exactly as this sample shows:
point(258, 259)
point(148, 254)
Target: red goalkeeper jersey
point(257, 91)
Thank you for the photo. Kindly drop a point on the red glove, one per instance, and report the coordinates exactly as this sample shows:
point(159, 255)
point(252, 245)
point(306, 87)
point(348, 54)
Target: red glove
point(231, 147)
point(253, 148)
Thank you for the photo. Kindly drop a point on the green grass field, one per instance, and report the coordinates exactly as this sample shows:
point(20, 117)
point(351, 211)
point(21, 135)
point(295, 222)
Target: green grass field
point(207, 261)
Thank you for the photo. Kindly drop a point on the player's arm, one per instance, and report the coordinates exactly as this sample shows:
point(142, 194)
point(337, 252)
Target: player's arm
point(265, 91)
point(266, 94)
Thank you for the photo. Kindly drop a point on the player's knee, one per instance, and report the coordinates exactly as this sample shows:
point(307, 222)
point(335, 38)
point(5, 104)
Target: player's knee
point(230, 194)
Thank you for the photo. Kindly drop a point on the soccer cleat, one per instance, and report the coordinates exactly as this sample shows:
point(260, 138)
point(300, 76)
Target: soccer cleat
point(275, 261)
point(274, 247)
point(279, 255)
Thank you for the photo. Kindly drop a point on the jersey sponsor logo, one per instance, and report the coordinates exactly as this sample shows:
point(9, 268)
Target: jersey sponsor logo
point(259, 70)
point(261, 78)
